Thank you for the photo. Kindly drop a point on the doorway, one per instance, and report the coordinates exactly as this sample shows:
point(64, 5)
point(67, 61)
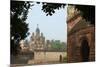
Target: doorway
point(85, 51)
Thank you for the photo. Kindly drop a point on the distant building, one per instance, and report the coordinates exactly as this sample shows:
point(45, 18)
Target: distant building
point(39, 43)
point(37, 40)
point(48, 44)
point(42, 50)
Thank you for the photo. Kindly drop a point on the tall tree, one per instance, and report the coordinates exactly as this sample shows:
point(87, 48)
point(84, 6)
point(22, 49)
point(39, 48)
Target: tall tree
point(18, 25)
point(19, 11)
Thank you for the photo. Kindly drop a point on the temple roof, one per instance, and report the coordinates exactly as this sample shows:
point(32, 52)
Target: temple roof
point(80, 25)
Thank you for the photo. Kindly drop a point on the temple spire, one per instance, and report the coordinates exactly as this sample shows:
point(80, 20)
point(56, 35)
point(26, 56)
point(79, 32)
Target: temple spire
point(37, 25)
point(37, 29)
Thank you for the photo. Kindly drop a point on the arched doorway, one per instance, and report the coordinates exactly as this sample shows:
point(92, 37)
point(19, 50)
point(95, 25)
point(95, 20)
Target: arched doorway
point(85, 50)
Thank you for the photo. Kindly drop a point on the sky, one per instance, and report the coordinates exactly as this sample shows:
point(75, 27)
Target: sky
point(53, 27)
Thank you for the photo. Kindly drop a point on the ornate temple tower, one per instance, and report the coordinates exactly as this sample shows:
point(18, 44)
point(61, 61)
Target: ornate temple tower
point(37, 32)
point(37, 40)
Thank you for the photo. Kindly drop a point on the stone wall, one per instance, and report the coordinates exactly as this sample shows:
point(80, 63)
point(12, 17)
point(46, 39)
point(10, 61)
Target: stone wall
point(74, 44)
point(47, 57)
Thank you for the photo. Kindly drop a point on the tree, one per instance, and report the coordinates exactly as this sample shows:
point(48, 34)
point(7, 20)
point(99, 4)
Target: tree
point(19, 10)
point(49, 8)
point(18, 26)
point(88, 11)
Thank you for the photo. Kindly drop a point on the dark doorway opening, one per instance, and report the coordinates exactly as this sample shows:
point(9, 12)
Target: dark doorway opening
point(85, 51)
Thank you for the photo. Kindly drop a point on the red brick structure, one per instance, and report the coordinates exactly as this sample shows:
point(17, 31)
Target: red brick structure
point(80, 40)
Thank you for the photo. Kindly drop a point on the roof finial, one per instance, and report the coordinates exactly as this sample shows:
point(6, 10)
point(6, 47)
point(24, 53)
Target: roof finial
point(37, 25)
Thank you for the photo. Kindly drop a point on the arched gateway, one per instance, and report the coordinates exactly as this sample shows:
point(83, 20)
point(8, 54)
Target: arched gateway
point(85, 49)
point(80, 39)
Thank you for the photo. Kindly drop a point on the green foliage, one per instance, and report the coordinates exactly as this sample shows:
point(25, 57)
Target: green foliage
point(58, 46)
point(49, 8)
point(88, 11)
point(18, 26)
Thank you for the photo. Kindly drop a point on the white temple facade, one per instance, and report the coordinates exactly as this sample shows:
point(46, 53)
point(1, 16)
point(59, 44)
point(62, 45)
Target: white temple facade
point(37, 41)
